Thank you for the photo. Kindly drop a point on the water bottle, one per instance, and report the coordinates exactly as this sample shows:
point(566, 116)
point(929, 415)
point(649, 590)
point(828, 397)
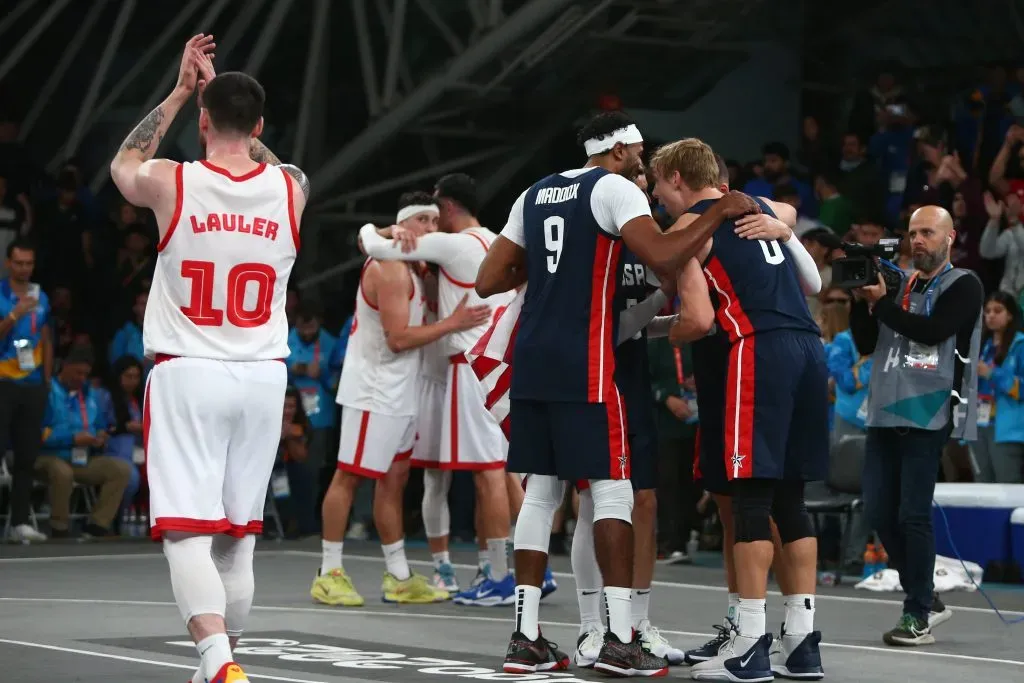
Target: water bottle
point(693, 545)
point(870, 560)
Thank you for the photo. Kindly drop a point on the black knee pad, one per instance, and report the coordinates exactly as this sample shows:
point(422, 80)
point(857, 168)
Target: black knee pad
point(752, 509)
point(790, 512)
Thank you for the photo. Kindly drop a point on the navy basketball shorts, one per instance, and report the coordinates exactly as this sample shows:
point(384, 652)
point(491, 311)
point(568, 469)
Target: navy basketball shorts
point(710, 469)
point(776, 408)
point(643, 449)
point(569, 440)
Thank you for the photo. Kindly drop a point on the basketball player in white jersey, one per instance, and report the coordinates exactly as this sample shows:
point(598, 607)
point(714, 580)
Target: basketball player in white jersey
point(216, 328)
point(470, 438)
point(379, 394)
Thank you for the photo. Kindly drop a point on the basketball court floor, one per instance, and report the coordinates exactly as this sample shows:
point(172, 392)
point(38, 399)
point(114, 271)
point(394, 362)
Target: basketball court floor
point(101, 613)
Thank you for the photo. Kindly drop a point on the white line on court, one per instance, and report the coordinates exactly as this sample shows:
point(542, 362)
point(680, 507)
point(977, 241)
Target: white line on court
point(501, 620)
point(140, 660)
point(428, 563)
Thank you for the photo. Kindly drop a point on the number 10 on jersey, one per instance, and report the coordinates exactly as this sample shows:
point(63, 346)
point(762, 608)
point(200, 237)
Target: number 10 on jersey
point(554, 231)
point(200, 309)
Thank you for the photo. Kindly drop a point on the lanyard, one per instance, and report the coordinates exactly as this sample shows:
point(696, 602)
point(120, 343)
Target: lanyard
point(679, 366)
point(84, 411)
point(927, 291)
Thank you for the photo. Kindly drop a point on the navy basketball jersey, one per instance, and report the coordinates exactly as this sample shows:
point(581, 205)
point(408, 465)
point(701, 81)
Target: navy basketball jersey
point(757, 286)
point(632, 374)
point(565, 342)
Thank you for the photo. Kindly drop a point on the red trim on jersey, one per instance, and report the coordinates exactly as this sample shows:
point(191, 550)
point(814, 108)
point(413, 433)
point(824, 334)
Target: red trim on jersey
point(179, 191)
point(162, 357)
point(190, 525)
point(424, 464)
point(457, 283)
point(619, 465)
point(472, 466)
point(739, 411)
point(361, 471)
point(479, 239)
point(600, 349)
point(364, 424)
point(291, 208)
point(697, 476)
point(404, 455)
point(362, 289)
point(730, 314)
point(227, 174)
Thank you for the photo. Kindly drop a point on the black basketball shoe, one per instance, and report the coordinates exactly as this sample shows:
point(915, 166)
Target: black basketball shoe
point(628, 659)
point(529, 656)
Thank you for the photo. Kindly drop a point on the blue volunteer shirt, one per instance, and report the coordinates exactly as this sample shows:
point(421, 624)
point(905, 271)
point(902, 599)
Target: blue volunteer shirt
point(128, 342)
point(28, 330)
point(69, 413)
point(315, 393)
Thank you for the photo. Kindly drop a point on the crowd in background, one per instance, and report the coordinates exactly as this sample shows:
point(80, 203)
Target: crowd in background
point(858, 182)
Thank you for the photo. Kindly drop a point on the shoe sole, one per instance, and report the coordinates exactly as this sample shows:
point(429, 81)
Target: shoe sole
point(336, 603)
point(726, 675)
point(927, 639)
point(936, 618)
point(782, 672)
point(619, 672)
point(517, 668)
point(584, 662)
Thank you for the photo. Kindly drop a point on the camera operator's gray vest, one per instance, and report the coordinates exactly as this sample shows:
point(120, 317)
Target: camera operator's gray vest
point(912, 385)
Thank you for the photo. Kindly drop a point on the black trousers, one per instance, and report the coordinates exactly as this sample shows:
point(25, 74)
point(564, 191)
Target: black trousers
point(677, 495)
point(22, 407)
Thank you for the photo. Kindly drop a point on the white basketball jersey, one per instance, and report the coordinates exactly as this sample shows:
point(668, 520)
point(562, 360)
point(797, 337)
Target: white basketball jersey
point(451, 291)
point(435, 363)
point(222, 272)
point(373, 377)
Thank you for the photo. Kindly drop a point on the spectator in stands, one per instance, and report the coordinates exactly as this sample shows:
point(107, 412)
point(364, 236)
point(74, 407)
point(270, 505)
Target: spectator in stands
point(290, 482)
point(820, 244)
point(1003, 238)
point(61, 233)
point(776, 171)
point(128, 340)
point(136, 271)
point(848, 369)
point(65, 320)
point(124, 418)
point(309, 372)
point(676, 414)
point(860, 179)
point(26, 364)
point(813, 155)
point(1007, 173)
point(891, 148)
point(788, 194)
point(291, 303)
point(999, 450)
point(73, 443)
point(337, 358)
point(869, 229)
point(14, 212)
point(835, 211)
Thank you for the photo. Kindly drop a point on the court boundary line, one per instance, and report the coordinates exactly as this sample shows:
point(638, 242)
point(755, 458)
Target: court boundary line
point(356, 612)
point(560, 575)
point(139, 660)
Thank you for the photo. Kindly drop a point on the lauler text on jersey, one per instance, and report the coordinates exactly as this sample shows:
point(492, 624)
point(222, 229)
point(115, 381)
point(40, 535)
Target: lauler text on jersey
point(235, 222)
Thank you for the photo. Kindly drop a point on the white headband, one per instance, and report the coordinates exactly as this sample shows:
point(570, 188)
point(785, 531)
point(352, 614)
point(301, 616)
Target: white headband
point(627, 136)
point(413, 209)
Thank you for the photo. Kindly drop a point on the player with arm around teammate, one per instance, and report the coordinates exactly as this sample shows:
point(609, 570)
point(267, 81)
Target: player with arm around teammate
point(565, 235)
point(217, 330)
point(775, 422)
point(379, 396)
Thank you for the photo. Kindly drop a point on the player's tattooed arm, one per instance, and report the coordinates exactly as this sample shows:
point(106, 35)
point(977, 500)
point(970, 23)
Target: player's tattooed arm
point(260, 153)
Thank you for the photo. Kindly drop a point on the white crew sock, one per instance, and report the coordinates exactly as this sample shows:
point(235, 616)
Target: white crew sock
point(441, 558)
point(497, 548)
point(640, 605)
point(620, 616)
point(734, 603)
point(215, 652)
point(799, 615)
point(394, 560)
point(528, 611)
point(751, 616)
point(330, 555)
point(590, 609)
point(483, 558)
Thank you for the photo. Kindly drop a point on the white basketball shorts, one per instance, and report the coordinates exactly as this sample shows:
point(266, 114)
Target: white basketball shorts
point(372, 442)
point(211, 430)
point(427, 450)
point(470, 437)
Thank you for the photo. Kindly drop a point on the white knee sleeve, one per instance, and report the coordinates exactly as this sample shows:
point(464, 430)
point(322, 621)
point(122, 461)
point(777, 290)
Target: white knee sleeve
point(613, 499)
point(194, 579)
point(584, 560)
point(233, 559)
point(543, 496)
point(436, 520)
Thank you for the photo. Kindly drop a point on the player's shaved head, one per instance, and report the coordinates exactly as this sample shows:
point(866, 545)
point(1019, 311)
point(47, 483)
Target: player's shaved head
point(931, 238)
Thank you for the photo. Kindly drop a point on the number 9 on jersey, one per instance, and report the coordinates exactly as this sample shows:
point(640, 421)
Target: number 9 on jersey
point(554, 231)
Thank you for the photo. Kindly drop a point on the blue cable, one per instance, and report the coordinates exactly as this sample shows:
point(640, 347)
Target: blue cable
point(949, 536)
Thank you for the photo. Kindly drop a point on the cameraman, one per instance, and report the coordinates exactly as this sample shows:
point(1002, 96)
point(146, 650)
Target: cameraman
point(925, 340)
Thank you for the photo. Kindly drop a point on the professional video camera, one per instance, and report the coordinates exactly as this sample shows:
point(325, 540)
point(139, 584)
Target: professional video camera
point(859, 267)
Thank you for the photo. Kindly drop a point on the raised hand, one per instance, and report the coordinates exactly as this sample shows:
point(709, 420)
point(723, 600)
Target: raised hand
point(993, 207)
point(188, 72)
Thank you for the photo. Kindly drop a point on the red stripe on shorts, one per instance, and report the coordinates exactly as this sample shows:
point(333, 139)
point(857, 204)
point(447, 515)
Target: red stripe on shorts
point(739, 410)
